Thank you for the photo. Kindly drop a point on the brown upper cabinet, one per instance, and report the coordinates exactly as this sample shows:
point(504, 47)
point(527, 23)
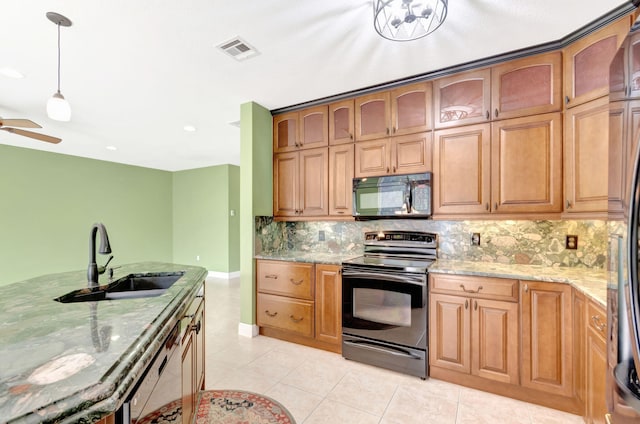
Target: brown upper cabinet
point(462, 99)
point(528, 86)
point(341, 122)
point(587, 61)
point(624, 77)
point(404, 110)
point(404, 154)
point(304, 129)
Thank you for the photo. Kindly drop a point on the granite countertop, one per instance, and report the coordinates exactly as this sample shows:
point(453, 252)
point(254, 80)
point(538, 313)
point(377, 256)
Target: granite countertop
point(74, 362)
point(591, 282)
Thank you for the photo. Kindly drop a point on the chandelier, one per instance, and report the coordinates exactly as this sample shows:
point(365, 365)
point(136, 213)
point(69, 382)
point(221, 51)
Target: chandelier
point(406, 20)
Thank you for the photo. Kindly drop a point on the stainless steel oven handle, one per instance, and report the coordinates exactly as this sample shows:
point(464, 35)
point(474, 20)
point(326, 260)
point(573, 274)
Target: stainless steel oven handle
point(393, 351)
point(419, 280)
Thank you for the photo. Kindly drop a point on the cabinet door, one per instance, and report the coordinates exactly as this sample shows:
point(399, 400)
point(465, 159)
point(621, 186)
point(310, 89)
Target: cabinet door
point(314, 182)
point(449, 332)
point(462, 99)
point(328, 307)
point(411, 153)
point(411, 108)
point(527, 164)
point(372, 158)
point(188, 395)
point(579, 350)
point(617, 159)
point(461, 170)
point(341, 122)
point(596, 364)
point(586, 144)
point(547, 345)
point(199, 350)
point(341, 173)
point(527, 86)
point(285, 184)
point(314, 127)
point(373, 115)
point(285, 132)
point(494, 340)
point(586, 63)
point(634, 66)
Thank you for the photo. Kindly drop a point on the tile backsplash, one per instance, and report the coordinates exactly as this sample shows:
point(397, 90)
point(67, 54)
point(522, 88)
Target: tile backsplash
point(518, 242)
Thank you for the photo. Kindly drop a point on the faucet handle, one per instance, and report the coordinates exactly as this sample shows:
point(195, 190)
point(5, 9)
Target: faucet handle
point(103, 268)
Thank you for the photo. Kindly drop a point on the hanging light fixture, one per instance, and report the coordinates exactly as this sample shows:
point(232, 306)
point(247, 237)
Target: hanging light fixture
point(406, 20)
point(58, 107)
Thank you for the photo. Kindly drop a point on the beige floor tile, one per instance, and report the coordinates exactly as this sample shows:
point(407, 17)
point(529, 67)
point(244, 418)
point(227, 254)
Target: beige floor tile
point(432, 388)
point(331, 412)
point(491, 415)
point(410, 405)
point(542, 415)
point(298, 402)
point(364, 390)
point(245, 379)
point(479, 400)
point(317, 377)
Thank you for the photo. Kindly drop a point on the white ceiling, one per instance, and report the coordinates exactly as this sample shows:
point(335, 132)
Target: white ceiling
point(136, 72)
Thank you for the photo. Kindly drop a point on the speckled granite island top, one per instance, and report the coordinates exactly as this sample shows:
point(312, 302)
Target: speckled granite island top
point(591, 282)
point(74, 362)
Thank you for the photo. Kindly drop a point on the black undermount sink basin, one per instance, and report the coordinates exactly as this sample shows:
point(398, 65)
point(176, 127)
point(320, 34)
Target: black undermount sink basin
point(128, 287)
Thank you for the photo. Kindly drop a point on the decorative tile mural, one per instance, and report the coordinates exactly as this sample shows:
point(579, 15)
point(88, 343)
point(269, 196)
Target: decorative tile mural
point(515, 242)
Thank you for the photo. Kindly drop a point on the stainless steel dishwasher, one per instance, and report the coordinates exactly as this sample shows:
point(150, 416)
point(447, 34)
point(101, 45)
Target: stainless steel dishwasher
point(158, 395)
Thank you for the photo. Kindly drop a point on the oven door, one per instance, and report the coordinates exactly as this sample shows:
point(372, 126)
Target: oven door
point(385, 305)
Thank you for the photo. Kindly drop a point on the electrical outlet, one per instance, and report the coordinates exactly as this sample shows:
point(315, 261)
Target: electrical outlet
point(475, 239)
point(320, 235)
point(571, 242)
point(198, 258)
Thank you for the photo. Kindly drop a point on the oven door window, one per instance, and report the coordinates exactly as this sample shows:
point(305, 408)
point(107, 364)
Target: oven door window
point(381, 306)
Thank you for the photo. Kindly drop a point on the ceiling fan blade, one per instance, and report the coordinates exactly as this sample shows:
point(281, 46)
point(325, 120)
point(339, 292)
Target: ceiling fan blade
point(22, 123)
point(31, 134)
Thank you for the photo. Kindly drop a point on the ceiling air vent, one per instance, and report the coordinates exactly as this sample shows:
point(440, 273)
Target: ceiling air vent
point(238, 49)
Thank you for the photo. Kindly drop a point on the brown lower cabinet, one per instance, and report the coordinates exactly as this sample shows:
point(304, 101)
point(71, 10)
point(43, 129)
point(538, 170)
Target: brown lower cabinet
point(530, 340)
point(192, 358)
point(300, 302)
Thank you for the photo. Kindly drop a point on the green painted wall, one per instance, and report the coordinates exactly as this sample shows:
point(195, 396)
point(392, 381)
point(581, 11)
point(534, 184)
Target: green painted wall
point(49, 201)
point(202, 223)
point(256, 198)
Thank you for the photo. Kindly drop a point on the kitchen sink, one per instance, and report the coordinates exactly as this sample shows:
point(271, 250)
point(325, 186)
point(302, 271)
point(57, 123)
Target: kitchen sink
point(128, 287)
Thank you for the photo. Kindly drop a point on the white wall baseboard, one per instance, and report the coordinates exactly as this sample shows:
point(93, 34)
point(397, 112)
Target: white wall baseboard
point(247, 330)
point(224, 275)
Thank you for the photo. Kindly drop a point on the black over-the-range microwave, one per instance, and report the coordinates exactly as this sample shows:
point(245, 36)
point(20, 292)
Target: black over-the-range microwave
point(392, 196)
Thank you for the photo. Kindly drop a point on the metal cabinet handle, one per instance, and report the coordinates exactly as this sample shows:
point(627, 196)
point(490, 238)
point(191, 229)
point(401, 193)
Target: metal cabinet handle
point(394, 130)
point(566, 99)
point(196, 327)
point(387, 169)
point(340, 211)
point(475, 305)
point(466, 304)
point(470, 291)
point(526, 288)
point(598, 324)
point(394, 169)
point(486, 206)
point(296, 283)
point(350, 136)
point(294, 319)
point(495, 206)
point(270, 314)
point(568, 204)
point(488, 115)
point(496, 112)
point(274, 276)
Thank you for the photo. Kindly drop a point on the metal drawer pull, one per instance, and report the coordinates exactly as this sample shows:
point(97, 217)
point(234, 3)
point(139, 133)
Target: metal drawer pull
point(270, 314)
point(475, 305)
point(274, 276)
point(294, 319)
point(470, 291)
point(466, 304)
point(597, 323)
point(296, 283)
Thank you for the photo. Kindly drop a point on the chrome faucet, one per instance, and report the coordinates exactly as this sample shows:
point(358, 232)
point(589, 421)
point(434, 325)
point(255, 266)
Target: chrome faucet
point(105, 248)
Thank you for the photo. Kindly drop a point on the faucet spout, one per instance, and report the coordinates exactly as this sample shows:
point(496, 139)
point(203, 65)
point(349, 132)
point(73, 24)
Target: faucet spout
point(105, 249)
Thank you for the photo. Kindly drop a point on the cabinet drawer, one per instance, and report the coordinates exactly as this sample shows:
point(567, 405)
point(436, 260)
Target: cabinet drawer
point(597, 319)
point(285, 313)
point(285, 278)
point(480, 287)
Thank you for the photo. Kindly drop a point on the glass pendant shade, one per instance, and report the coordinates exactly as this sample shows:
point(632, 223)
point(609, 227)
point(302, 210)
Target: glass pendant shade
point(405, 20)
point(58, 108)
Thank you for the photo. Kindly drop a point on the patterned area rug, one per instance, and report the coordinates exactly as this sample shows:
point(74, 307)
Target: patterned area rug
point(239, 407)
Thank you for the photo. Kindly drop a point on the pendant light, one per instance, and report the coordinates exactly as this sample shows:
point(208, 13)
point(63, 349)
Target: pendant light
point(406, 20)
point(58, 107)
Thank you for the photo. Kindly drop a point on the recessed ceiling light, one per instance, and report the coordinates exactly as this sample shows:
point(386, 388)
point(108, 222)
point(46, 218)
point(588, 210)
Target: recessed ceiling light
point(189, 128)
point(112, 148)
point(11, 73)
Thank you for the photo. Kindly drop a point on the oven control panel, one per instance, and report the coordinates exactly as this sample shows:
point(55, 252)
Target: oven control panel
point(400, 236)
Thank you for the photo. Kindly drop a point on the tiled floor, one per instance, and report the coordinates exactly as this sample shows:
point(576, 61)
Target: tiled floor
point(322, 387)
